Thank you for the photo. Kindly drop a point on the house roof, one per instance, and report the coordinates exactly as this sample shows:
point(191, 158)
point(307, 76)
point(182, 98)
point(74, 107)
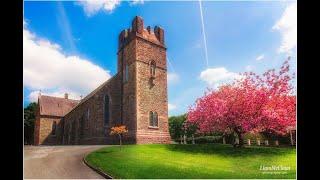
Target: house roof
point(55, 106)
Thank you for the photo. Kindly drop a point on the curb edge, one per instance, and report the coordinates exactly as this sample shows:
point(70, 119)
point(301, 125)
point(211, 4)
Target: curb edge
point(99, 171)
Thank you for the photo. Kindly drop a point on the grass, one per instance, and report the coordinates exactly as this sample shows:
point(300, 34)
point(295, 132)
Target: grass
point(193, 161)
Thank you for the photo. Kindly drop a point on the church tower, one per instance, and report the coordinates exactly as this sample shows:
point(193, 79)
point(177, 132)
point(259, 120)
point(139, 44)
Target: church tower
point(142, 67)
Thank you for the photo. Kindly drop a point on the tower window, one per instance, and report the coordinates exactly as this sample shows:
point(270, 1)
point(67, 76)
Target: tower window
point(54, 127)
point(153, 69)
point(153, 119)
point(106, 110)
point(126, 73)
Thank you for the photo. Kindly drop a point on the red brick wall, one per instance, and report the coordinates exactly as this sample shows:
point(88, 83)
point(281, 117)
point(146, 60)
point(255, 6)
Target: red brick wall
point(151, 97)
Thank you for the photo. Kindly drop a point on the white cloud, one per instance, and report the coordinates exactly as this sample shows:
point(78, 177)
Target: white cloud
point(45, 67)
point(171, 106)
point(215, 77)
point(173, 77)
point(33, 96)
point(91, 7)
point(287, 26)
point(134, 2)
point(259, 58)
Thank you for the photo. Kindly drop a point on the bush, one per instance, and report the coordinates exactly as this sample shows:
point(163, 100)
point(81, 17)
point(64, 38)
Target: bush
point(217, 138)
point(207, 139)
point(202, 139)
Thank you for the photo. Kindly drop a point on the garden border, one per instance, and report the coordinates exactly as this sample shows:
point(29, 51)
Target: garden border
point(99, 171)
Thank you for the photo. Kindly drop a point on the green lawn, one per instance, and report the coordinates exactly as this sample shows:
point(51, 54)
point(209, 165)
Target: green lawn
point(193, 161)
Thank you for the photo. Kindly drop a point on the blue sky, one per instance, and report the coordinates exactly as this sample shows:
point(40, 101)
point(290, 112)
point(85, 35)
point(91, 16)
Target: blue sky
point(71, 46)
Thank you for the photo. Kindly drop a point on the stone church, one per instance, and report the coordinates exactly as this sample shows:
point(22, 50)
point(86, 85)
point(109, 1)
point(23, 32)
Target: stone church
point(136, 96)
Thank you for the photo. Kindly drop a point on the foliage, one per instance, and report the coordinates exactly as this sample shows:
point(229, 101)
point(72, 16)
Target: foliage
point(119, 130)
point(28, 122)
point(178, 126)
point(200, 161)
point(253, 103)
point(189, 128)
point(175, 126)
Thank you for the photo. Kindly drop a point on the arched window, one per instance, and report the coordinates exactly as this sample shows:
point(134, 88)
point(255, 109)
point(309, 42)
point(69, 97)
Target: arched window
point(88, 114)
point(83, 123)
point(54, 127)
point(106, 110)
point(150, 118)
point(153, 69)
point(153, 119)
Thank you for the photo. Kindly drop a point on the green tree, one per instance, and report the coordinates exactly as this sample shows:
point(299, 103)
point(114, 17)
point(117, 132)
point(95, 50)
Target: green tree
point(29, 118)
point(176, 126)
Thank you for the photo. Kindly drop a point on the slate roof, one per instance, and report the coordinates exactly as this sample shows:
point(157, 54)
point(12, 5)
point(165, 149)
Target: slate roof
point(56, 106)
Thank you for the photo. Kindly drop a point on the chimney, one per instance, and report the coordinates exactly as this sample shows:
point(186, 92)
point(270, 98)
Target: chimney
point(66, 95)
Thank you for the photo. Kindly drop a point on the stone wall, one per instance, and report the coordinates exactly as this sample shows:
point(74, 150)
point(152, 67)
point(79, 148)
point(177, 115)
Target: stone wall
point(81, 128)
point(43, 130)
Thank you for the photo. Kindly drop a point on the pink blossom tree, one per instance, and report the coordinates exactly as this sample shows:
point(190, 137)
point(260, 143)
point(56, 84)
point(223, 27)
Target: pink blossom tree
point(254, 103)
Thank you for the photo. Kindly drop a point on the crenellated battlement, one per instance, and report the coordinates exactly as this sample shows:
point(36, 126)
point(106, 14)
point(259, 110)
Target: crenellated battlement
point(137, 29)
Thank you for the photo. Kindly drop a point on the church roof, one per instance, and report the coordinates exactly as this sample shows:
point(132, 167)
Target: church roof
point(55, 106)
point(92, 93)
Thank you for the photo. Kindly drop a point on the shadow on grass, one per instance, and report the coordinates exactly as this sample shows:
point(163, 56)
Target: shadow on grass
point(105, 152)
point(228, 150)
point(110, 150)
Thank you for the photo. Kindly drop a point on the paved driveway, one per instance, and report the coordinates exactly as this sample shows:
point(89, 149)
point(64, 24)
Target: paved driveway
point(58, 162)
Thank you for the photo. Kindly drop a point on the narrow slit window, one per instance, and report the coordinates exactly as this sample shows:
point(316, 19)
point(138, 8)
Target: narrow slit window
point(153, 69)
point(127, 73)
point(106, 110)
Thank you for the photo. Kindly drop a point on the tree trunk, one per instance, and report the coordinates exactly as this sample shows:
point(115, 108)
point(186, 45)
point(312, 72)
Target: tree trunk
point(291, 139)
point(193, 139)
point(120, 140)
point(241, 141)
point(240, 137)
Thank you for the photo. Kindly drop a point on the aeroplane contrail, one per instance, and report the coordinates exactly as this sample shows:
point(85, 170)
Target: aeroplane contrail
point(204, 34)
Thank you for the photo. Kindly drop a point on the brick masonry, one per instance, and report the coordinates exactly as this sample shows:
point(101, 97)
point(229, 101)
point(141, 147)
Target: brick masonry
point(130, 101)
